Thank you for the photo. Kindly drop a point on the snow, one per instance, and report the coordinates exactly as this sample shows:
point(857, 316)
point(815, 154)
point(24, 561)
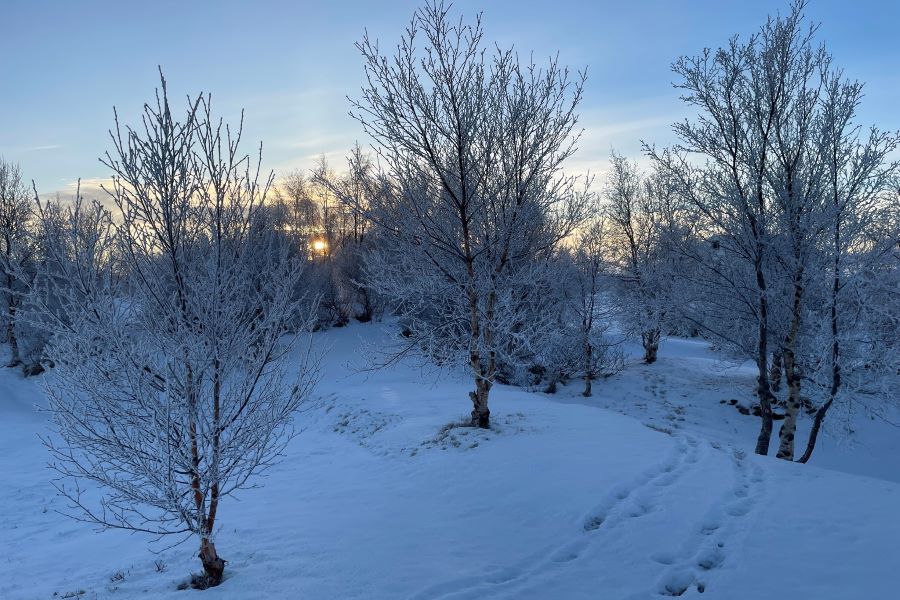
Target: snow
point(647, 489)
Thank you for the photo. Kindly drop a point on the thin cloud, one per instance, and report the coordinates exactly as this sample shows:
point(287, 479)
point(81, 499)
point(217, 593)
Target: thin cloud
point(23, 149)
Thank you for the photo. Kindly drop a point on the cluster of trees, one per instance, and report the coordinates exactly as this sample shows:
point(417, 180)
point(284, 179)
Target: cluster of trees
point(315, 210)
point(789, 210)
point(770, 229)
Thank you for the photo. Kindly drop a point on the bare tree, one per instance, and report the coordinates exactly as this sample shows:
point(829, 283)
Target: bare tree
point(589, 303)
point(858, 253)
point(786, 176)
point(795, 184)
point(474, 147)
point(15, 250)
point(293, 195)
point(345, 201)
point(171, 387)
point(347, 193)
point(635, 250)
point(744, 93)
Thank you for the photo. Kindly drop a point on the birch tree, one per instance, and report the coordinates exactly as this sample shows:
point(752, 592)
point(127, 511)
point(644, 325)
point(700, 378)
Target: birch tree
point(796, 185)
point(174, 386)
point(474, 146)
point(783, 172)
point(859, 305)
point(724, 166)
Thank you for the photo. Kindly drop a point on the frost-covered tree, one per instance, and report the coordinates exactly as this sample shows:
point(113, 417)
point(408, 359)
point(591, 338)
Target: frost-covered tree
point(796, 186)
point(856, 313)
point(15, 252)
point(348, 235)
point(301, 215)
point(773, 169)
point(588, 301)
point(729, 166)
point(173, 384)
point(342, 194)
point(473, 145)
point(59, 228)
point(636, 252)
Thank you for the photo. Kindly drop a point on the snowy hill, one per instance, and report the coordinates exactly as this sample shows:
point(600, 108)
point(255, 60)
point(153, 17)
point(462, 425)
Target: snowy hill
point(381, 497)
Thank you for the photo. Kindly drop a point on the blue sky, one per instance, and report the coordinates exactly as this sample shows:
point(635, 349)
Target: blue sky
point(292, 64)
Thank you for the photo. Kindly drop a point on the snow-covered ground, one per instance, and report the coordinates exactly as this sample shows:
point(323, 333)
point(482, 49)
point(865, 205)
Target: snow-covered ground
point(647, 489)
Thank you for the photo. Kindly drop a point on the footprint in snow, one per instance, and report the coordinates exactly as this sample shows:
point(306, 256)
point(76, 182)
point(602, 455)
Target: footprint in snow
point(716, 529)
point(633, 499)
point(642, 495)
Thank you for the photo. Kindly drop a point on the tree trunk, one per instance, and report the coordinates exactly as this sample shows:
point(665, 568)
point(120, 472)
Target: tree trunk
point(481, 415)
point(15, 358)
point(588, 370)
point(213, 566)
point(814, 432)
point(650, 341)
point(775, 371)
point(835, 348)
point(792, 408)
point(763, 391)
point(765, 413)
point(792, 373)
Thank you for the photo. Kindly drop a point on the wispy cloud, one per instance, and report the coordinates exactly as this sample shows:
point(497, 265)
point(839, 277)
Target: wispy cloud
point(315, 143)
point(31, 148)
